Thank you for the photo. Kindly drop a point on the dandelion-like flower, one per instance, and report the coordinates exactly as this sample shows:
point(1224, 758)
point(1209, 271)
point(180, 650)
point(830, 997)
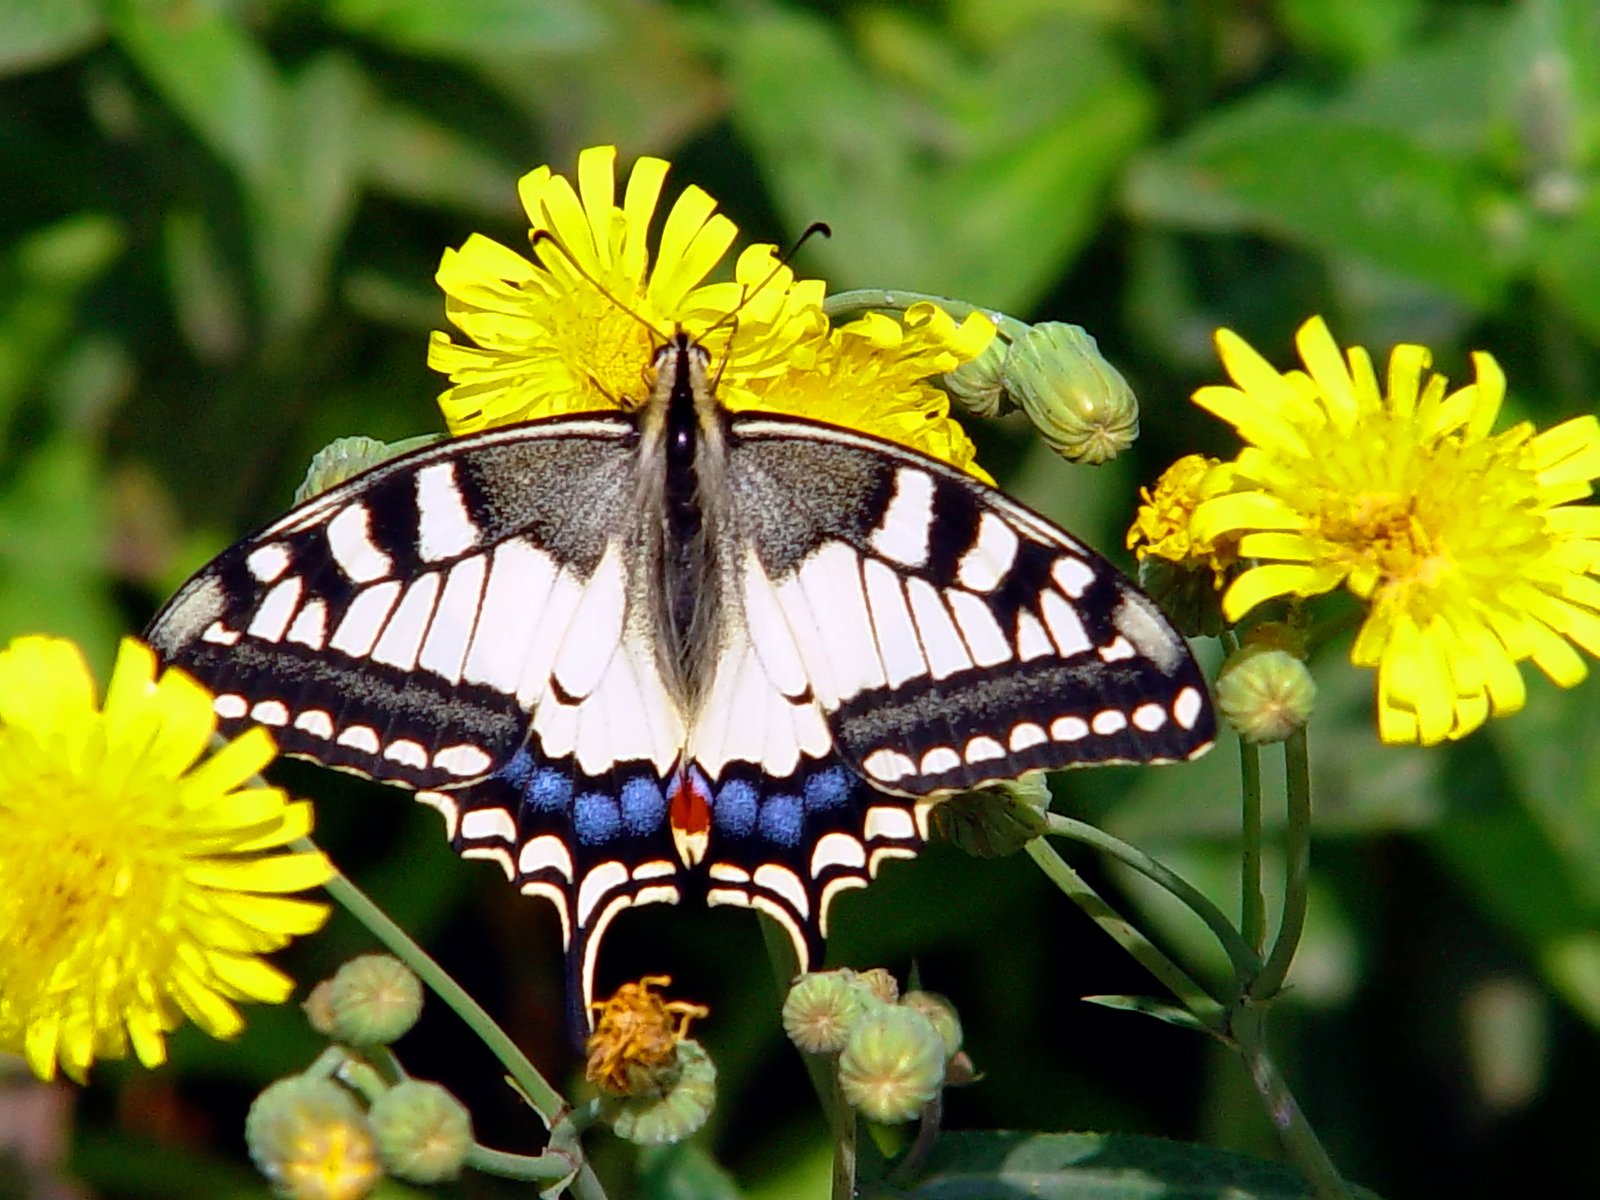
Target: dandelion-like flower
point(575, 328)
point(142, 885)
point(1466, 545)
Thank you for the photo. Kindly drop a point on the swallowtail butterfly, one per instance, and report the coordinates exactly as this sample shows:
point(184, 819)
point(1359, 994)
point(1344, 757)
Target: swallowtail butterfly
point(635, 657)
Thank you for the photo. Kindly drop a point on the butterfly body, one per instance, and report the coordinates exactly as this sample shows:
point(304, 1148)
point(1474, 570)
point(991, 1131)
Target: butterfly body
point(633, 656)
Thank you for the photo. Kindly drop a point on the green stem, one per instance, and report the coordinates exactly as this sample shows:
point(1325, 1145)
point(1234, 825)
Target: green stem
point(1245, 960)
point(1193, 996)
point(519, 1166)
point(822, 1069)
point(844, 1142)
point(545, 1099)
point(1288, 1121)
point(1252, 900)
point(846, 304)
point(1297, 867)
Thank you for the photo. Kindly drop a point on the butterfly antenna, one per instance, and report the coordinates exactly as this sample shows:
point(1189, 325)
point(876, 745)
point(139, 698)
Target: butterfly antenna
point(731, 317)
point(544, 235)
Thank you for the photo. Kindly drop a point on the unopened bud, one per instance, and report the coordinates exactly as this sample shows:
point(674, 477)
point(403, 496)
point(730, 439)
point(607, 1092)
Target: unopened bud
point(346, 457)
point(892, 1064)
point(422, 1132)
point(821, 1007)
point(671, 1115)
point(997, 819)
point(373, 1000)
point(310, 1139)
point(1078, 401)
point(1265, 693)
point(941, 1013)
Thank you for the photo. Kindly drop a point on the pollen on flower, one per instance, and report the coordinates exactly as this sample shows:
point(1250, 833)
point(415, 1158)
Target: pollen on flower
point(1465, 545)
point(142, 883)
point(634, 1047)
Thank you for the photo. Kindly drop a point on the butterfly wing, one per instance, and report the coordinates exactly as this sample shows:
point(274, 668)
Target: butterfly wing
point(466, 621)
point(909, 633)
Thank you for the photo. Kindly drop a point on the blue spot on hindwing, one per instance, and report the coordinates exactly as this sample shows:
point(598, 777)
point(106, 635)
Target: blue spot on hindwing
point(595, 818)
point(549, 790)
point(782, 820)
point(519, 770)
point(644, 807)
point(828, 788)
point(734, 810)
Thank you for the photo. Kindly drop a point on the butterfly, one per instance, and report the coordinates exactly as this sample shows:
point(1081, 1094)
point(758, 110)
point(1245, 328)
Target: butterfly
point(635, 657)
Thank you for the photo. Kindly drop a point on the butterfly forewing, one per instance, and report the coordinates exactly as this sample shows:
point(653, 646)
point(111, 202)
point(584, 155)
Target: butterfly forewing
point(952, 636)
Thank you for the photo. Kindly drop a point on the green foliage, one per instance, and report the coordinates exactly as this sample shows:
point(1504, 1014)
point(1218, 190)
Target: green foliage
point(216, 256)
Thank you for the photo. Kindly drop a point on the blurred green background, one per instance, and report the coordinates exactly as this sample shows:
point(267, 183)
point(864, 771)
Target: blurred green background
point(216, 248)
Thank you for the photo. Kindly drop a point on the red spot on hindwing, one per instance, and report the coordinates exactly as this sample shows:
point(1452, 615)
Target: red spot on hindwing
point(689, 802)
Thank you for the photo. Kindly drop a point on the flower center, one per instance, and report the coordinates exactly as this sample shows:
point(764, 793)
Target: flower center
point(1410, 525)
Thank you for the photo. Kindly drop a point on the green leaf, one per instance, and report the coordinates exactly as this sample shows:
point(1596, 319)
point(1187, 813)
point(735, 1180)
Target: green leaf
point(216, 76)
point(39, 33)
point(971, 180)
point(1092, 1166)
point(42, 281)
point(407, 153)
point(53, 536)
point(1528, 858)
point(1151, 1007)
point(304, 200)
point(471, 29)
point(1357, 31)
point(683, 1172)
point(1280, 166)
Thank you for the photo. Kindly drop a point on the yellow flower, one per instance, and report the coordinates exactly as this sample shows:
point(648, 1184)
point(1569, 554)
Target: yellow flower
point(141, 884)
point(1465, 544)
point(576, 330)
point(1161, 528)
point(871, 375)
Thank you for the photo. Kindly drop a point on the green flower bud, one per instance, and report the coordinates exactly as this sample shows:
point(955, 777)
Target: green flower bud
point(1077, 400)
point(879, 984)
point(423, 1133)
point(1265, 693)
point(373, 1000)
point(821, 1007)
point(346, 457)
point(892, 1064)
point(310, 1140)
point(674, 1114)
point(941, 1013)
point(318, 1008)
point(978, 386)
point(997, 819)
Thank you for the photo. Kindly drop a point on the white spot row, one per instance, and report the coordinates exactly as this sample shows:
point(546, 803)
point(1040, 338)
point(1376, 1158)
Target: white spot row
point(888, 765)
point(463, 760)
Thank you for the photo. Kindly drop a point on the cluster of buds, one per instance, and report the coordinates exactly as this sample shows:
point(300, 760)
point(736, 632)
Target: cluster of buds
point(894, 1053)
point(334, 1131)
